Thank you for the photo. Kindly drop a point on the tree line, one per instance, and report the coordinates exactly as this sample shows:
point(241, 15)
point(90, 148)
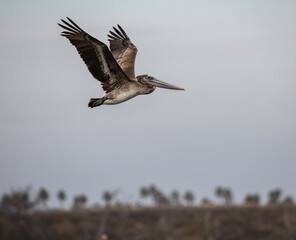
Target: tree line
point(21, 200)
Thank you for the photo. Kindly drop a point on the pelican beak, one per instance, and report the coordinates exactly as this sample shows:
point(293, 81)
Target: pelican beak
point(157, 83)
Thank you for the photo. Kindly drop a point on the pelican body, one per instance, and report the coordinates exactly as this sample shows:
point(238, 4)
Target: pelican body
point(114, 68)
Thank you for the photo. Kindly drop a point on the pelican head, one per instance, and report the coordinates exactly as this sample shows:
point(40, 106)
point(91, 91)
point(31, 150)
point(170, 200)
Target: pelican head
point(152, 81)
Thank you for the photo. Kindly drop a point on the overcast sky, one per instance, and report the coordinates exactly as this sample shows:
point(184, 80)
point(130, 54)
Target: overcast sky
point(235, 125)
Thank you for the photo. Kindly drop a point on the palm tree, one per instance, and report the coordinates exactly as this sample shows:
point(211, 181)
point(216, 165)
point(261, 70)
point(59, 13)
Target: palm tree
point(83, 199)
point(61, 195)
point(17, 201)
point(274, 196)
point(288, 201)
point(43, 196)
point(160, 198)
point(252, 199)
point(107, 196)
point(256, 199)
point(188, 197)
point(79, 201)
point(227, 196)
point(157, 195)
point(144, 192)
point(219, 192)
point(175, 197)
point(152, 190)
point(205, 201)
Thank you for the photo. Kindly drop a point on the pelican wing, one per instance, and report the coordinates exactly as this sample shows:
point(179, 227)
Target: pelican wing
point(96, 56)
point(123, 50)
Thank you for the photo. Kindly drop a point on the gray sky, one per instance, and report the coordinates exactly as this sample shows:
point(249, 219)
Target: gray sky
point(233, 126)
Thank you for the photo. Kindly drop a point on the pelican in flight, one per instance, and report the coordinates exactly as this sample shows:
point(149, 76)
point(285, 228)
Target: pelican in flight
point(116, 69)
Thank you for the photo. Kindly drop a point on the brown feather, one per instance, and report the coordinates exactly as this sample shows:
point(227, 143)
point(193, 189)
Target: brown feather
point(123, 50)
point(96, 56)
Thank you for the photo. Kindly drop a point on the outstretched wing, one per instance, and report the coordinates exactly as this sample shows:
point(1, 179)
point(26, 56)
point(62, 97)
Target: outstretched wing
point(123, 50)
point(96, 56)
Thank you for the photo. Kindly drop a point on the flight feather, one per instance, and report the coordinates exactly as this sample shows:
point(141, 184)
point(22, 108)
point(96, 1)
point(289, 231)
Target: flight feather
point(96, 55)
point(123, 50)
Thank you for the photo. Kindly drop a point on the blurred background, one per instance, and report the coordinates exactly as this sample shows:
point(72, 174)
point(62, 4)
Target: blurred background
point(233, 126)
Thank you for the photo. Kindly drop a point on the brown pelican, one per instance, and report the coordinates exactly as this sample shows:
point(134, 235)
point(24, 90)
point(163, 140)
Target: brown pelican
point(115, 69)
